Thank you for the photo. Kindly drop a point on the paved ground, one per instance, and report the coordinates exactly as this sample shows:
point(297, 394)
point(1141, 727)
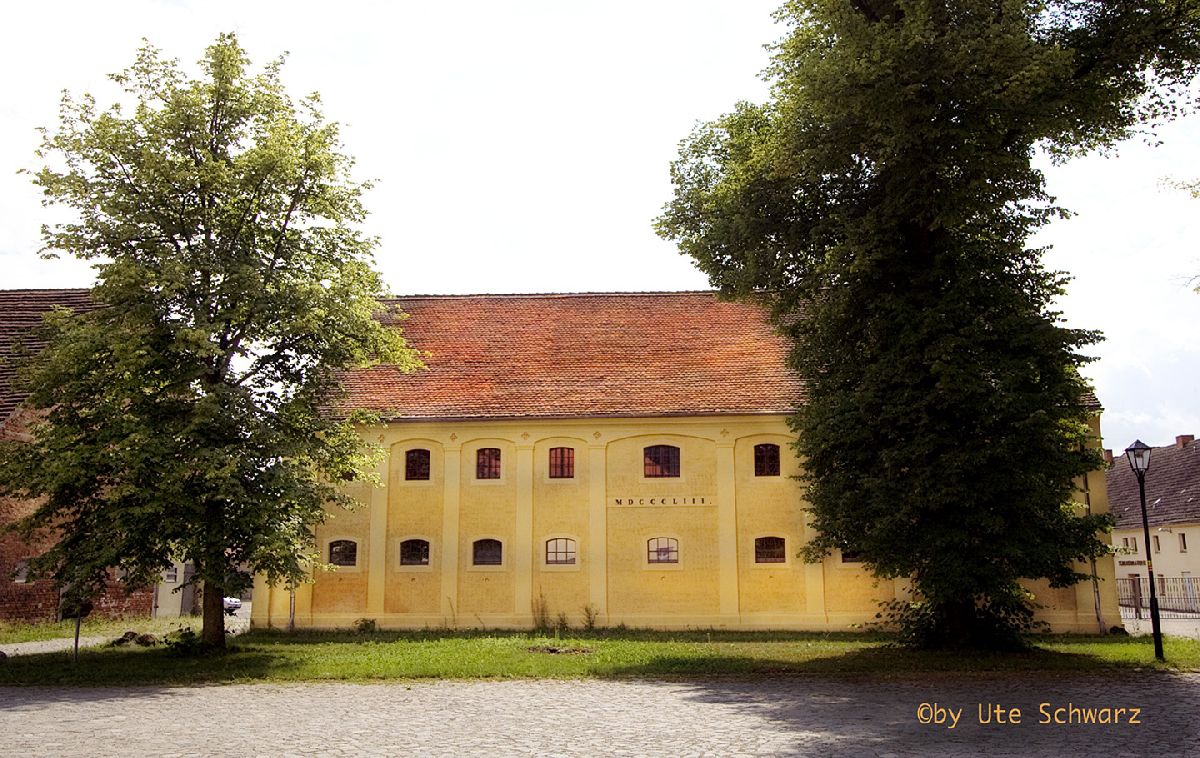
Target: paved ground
point(782, 716)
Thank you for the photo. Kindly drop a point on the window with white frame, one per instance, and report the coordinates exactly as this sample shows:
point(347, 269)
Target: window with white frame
point(414, 552)
point(343, 553)
point(662, 550)
point(770, 550)
point(487, 552)
point(560, 551)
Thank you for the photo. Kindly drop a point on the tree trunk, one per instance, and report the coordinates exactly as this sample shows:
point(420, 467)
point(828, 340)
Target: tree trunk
point(213, 633)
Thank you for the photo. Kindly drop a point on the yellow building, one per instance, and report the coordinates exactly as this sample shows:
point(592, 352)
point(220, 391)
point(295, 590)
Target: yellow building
point(623, 455)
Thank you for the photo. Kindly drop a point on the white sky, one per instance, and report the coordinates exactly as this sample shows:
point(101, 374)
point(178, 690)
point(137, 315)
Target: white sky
point(523, 146)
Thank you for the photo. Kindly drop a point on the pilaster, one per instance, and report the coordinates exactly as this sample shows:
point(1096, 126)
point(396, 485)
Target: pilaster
point(522, 549)
point(597, 542)
point(727, 529)
point(452, 479)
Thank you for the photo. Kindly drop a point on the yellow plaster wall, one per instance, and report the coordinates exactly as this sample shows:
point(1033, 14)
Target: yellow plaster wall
point(343, 589)
point(769, 506)
point(414, 512)
point(560, 509)
point(636, 587)
point(487, 510)
point(716, 582)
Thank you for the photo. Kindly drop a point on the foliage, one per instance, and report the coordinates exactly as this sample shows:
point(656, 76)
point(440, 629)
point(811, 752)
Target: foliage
point(590, 615)
point(184, 418)
point(365, 626)
point(880, 202)
point(184, 642)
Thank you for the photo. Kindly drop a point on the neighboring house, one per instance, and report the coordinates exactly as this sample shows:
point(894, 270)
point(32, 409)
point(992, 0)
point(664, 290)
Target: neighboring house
point(1173, 512)
point(621, 456)
point(21, 313)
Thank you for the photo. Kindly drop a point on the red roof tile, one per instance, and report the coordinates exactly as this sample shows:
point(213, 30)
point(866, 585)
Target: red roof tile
point(582, 355)
point(21, 313)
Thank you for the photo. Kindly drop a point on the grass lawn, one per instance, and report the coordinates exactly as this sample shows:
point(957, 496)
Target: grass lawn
point(11, 632)
point(346, 656)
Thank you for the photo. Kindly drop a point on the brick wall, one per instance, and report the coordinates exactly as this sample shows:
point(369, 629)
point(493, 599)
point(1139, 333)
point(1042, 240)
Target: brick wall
point(38, 601)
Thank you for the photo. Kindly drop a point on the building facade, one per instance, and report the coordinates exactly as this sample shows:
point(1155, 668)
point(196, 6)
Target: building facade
point(22, 597)
point(1173, 513)
point(620, 457)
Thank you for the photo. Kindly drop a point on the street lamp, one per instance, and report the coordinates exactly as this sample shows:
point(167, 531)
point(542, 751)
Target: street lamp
point(1139, 460)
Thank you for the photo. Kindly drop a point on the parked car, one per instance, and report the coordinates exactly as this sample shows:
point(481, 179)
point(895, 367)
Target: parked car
point(232, 603)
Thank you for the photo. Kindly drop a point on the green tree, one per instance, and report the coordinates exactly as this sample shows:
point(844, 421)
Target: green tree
point(187, 417)
point(880, 202)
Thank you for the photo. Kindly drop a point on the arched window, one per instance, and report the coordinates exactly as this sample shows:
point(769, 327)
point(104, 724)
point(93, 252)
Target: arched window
point(487, 553)
point(662, 550)
point(416, 465)
point(661, 461)
point(487, 463)
point(766, 460)
point(560, 551)
point(414, 552)
point(562, 463)
point(770, 549)
point(343, 553)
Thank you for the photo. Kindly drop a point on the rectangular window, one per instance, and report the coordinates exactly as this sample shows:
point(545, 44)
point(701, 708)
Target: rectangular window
point(1129, 543)
point(487, 463)
point(1157, 546)
point(487, 553)
point(770, 550)
point(560, 551)
point(414, 553)
point(661, 461)
point(851, 556)
point(416, 465)
point(766, 460)
point(171, 575)
point(1182, 542)
point(562, 463)
point(662, 550)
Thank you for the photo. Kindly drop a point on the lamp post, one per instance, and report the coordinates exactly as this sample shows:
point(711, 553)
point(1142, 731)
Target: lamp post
point(1139, 460)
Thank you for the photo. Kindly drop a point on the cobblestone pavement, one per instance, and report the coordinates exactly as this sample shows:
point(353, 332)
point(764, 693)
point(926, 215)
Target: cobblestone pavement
point(774, 716)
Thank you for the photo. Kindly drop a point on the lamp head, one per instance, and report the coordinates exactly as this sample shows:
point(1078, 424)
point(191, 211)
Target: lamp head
point(1139, 456)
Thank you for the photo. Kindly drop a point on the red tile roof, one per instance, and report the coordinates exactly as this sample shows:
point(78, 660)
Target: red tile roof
point(21, 313)
point(582, 355)
point(1172, 487)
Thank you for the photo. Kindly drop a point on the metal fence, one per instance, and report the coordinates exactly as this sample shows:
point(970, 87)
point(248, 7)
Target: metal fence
point(1178, 597)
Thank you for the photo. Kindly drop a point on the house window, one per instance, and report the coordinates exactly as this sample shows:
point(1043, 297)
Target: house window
point(343, 553)
point(770, 549)
point(171, 575)
point(662, 549)
point(487, 463)
point(487, 552)
point(766, 460)
point(1182, 542)
point(661, 461)
point(21, 573)
point(851, 556)
point(562, 463)
point(1157, 547)
point(416, 465)
point(414, 553)
point(560, 551)
point(1129, 543)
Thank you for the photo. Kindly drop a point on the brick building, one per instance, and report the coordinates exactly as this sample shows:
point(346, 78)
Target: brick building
point(21, 313)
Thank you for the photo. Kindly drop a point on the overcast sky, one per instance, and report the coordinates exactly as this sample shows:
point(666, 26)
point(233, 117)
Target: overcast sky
point(523, 146)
